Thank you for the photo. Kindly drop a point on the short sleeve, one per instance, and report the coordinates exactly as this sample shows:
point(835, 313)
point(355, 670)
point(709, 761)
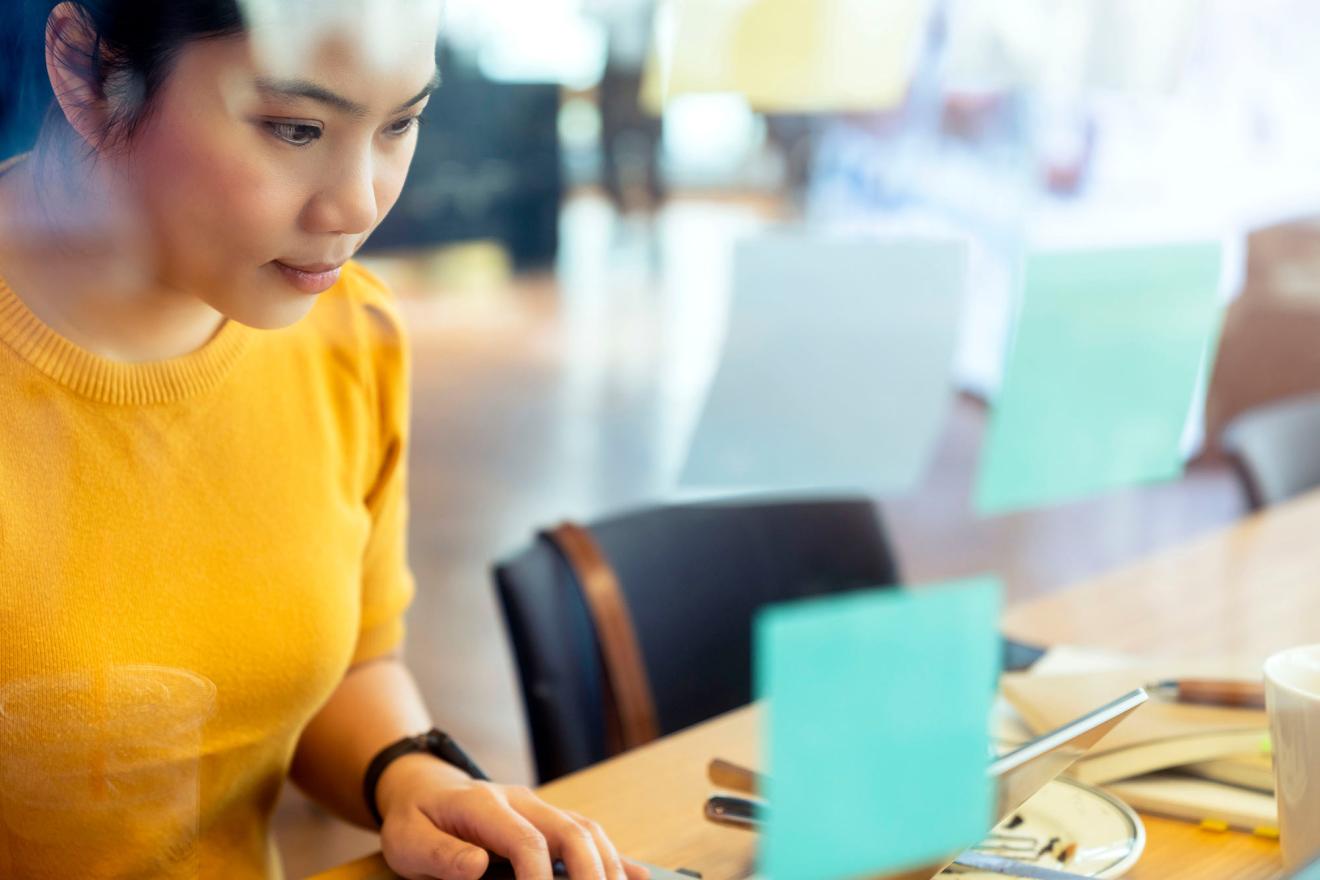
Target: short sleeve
point(387, 580)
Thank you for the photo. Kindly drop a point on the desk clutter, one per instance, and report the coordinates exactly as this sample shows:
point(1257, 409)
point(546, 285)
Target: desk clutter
point(1194, 761)
point(1044, 828)
point(1066, 830)
point(1210, 765)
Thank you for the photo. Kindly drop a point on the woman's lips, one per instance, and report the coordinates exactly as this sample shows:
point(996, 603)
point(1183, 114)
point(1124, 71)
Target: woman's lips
point(309, 279)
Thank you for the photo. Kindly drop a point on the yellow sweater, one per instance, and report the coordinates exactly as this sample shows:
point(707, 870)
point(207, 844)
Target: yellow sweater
point(192, 553)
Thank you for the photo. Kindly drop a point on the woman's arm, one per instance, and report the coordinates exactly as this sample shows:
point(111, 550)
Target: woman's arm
point(433, 811)
point(375, 705)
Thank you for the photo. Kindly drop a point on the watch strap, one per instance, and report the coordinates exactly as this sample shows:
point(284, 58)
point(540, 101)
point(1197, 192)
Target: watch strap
point(434, 742)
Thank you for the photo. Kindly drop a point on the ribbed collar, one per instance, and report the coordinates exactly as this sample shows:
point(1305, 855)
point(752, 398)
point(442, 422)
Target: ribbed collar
point(111, 381)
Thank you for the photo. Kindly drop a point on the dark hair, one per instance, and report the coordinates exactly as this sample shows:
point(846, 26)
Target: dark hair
point(136, 44)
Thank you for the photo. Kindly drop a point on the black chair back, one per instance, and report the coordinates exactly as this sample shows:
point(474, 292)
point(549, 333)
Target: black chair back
point(693, 577)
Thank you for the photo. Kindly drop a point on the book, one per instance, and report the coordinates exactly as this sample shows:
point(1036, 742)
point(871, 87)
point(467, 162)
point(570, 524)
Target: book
point(1146, 757)
point(1158, 736)
point(1254, 770)
point(1178, 796)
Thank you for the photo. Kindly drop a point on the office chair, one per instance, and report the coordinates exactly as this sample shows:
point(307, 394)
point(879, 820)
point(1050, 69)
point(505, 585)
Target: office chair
point(690, 578)
point(641, 625)
point(1275, 449)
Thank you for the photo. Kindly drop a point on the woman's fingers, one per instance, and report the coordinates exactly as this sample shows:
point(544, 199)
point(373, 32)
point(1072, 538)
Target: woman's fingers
point(609, 855)
point(510, 821)
point(504, 830)
point(416, 849)
point(568, 839)
point(636, 871)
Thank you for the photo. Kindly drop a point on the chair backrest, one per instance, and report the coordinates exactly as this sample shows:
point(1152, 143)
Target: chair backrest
point(692, 577)
point(1276, 449)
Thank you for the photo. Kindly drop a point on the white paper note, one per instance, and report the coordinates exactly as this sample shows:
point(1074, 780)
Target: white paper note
point(835, 372)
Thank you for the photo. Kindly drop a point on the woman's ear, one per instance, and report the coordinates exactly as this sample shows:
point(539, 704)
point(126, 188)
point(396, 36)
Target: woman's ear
point(71, 46)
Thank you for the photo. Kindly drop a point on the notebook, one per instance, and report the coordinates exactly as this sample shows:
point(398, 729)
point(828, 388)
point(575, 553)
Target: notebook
point(1159, 736)
point(1254, 770)
point(1214, 804)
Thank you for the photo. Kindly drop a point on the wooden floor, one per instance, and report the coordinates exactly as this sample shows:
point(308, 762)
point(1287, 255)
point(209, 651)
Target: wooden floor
point(571, 394)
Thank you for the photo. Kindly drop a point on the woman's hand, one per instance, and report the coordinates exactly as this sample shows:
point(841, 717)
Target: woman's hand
point(434, 813)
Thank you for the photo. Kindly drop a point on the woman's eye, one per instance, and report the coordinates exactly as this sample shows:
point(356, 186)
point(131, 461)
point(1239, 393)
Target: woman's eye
point(299, 134)
point(403, 126)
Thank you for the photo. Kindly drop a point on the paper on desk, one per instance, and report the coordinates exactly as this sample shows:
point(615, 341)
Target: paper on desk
point(790, 55)
point(1101, 373)
point(876, 728)
point(836, 368)
point(1078, 659)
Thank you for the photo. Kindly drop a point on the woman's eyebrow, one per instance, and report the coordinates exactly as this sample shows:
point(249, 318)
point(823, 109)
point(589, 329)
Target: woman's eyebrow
point(288, 89)
point(432, 84)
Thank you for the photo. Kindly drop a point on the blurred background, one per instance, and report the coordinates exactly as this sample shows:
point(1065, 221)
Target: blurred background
point(563, 252)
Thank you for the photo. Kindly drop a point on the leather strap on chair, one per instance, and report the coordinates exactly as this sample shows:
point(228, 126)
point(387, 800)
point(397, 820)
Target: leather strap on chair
point(630, 717)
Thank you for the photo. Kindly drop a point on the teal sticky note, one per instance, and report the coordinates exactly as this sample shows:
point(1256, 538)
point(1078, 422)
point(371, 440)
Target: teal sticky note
point(875, 737)
point(1101, 373)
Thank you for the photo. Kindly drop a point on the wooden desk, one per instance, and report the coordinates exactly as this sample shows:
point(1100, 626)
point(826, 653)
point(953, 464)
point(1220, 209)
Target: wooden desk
point(1249, 591)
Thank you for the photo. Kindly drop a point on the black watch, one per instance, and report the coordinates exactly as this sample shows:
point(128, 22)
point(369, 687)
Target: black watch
point(433, 742)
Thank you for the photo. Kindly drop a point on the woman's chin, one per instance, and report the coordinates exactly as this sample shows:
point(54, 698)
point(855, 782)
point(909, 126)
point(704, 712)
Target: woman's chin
point(263, 308)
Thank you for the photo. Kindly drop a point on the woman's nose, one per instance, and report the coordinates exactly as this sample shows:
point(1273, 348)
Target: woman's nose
point(347, 204)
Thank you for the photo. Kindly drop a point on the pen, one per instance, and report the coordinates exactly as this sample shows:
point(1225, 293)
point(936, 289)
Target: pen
point(1237, 694)
point(735, 777)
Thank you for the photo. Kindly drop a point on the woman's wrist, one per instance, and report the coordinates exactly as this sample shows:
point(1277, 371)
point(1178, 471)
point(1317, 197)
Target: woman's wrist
point(404, 773)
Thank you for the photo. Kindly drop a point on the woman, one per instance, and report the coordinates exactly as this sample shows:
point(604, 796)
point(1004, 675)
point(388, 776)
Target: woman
point(202, 512)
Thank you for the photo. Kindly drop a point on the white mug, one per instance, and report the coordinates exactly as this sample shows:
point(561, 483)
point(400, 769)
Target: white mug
point(1292, 697)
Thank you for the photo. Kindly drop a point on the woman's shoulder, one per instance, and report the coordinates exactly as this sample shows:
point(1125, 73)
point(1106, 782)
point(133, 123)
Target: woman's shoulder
point(357, 281)
point(357, 322)
point(360, 288)
point(362, 301)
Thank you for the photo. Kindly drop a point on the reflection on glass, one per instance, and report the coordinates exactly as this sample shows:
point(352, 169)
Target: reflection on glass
point(99, 772)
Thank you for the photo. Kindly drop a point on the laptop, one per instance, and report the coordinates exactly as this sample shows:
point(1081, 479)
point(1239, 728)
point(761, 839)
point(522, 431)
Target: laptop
point(1025, 770)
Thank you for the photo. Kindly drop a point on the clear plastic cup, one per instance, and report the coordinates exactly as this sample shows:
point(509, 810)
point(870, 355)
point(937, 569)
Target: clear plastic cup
point(100, 772)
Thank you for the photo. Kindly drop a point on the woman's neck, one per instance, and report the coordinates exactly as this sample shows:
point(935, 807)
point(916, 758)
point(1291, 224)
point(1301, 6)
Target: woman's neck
point(72, 251)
